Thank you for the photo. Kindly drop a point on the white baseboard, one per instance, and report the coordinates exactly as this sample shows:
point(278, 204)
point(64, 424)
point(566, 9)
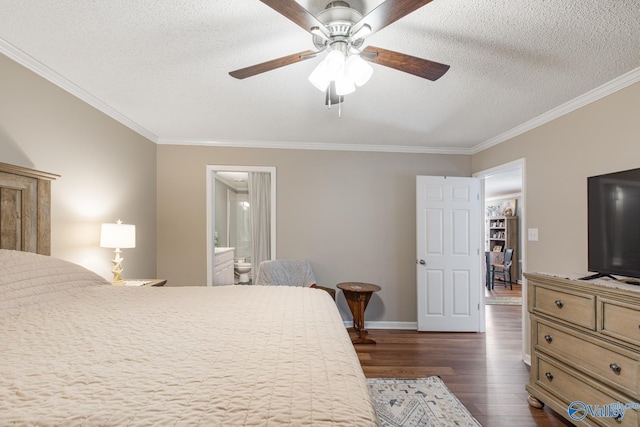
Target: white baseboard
point(412, 326)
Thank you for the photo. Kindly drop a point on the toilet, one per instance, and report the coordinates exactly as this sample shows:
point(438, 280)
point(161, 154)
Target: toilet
point(242, 270)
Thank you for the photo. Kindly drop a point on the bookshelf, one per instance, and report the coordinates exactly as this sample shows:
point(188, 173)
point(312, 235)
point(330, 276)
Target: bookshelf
point(503, 233)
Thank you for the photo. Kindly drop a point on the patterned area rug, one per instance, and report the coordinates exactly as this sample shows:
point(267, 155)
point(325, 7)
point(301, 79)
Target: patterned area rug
point(424, 402)
point(503, 300)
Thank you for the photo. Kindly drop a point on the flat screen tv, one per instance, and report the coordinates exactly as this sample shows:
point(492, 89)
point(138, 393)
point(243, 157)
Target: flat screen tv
point(614, 224)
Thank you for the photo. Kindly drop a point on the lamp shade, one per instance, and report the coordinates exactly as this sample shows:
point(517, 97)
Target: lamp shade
point(335, 63)
point(320, 77)
point(344, 85)
point(118, 235)
point(358, 70)
point(345, 73)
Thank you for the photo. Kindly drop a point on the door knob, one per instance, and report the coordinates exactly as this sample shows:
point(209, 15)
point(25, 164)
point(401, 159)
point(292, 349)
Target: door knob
point(423, 262)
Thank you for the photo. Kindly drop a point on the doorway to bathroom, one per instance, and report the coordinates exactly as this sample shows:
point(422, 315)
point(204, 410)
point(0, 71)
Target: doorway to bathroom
point(241, 219)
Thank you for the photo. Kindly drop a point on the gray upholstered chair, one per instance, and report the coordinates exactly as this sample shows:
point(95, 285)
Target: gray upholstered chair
point(288, 272)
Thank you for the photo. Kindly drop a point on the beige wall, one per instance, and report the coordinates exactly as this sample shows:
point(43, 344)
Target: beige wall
point(107, 171)
point(599, 138)
point(352, 214)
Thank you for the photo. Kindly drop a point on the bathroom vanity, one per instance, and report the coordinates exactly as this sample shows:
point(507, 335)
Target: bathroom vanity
point(223, 273)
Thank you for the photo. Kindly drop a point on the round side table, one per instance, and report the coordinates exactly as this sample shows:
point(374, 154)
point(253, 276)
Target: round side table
point(358, 295)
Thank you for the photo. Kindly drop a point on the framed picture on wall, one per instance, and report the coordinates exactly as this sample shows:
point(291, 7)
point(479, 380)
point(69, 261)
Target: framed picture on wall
point(509, 207)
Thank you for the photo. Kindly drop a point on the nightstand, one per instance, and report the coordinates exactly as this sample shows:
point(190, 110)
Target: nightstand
point(149, 282)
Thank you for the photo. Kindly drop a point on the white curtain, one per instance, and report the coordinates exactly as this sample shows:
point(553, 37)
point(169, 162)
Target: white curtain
point(260, 211)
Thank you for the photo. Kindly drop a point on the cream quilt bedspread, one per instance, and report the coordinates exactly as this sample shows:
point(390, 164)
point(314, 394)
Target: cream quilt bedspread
point(95, 354)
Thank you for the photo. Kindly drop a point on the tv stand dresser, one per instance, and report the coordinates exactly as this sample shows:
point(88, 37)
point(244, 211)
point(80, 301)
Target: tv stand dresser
point(585, 348)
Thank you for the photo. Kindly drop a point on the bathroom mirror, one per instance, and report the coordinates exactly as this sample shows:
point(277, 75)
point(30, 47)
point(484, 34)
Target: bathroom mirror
point(241, 218)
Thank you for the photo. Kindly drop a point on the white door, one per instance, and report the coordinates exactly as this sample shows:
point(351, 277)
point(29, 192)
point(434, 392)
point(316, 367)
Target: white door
point(448, 253)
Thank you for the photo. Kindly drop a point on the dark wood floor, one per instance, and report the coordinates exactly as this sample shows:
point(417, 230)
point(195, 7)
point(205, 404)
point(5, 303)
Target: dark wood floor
point(484, 370)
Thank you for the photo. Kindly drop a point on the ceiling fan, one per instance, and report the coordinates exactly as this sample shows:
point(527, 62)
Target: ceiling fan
point(340, 30)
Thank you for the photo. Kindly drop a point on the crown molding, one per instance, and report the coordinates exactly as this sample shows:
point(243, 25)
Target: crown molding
point(42, 70)
point(600, 92)
point(320, 146)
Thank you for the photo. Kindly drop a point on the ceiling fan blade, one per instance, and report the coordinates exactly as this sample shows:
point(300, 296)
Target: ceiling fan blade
point(263, 67)
point(409, 64)
point(296, 13)
point(389, 12)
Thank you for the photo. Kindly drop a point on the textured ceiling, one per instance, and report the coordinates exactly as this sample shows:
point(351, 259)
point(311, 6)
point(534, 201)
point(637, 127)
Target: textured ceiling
point(161, 67)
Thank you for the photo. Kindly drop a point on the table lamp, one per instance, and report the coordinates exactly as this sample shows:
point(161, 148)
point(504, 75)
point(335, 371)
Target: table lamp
point(118, 236)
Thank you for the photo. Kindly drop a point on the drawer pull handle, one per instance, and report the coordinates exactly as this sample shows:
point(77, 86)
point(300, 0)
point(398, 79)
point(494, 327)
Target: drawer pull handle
point(548, 338)
point(615, 368)
point(559, 303)
point(549, 376)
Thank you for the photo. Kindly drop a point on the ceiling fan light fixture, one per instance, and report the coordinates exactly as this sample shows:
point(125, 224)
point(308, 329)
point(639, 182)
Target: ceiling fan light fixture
point(335, 62)
point(358, 70)
point(346, 73)
point(344, 85)
point(320, 77)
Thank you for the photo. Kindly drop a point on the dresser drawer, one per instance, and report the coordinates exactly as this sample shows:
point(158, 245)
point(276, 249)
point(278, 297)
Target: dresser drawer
point(619, 320)
point(561, 382)
point(574, 308)
point(587, 354)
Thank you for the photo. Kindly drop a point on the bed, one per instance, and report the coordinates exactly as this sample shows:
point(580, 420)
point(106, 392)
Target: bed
point(75, 350)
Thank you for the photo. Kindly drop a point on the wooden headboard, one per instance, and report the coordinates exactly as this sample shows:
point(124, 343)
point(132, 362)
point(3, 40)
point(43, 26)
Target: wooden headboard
point(25, 209)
